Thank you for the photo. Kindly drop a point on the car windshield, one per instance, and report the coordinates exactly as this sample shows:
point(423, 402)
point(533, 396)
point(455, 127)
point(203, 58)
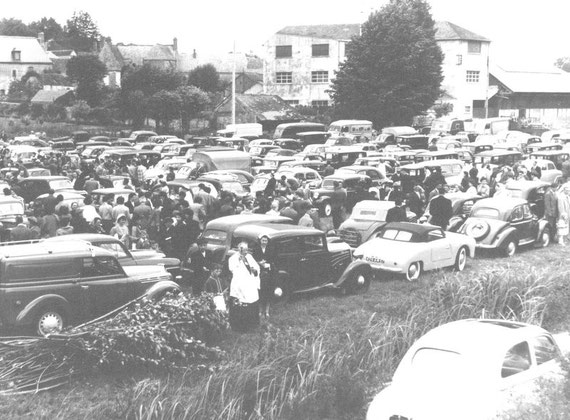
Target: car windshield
point(10, 209)
point(256, 150)
point(397, 235)
point(374, 215)
point(485, 213)
point(215, 237)
point(60, 184)
point(328, 184)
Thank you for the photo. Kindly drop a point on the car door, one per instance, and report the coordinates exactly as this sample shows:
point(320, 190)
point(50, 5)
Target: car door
point(314, 261)
point(119, 250)
point(522, 219)
point(440, 247)
point(288, 251)
point(104, 285)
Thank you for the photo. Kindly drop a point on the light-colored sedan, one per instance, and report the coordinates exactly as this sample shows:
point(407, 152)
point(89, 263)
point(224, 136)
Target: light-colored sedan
point(410, 249)
point(471, 369)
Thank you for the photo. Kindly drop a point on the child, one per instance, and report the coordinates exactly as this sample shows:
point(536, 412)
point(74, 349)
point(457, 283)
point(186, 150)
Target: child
point(217, 286)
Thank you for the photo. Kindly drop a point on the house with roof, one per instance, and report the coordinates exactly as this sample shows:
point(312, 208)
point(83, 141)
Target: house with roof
point(267, 110)
point(118, 57)
point(46, 97)
point(246, 82)
point(299, 61)
point(18, 55)
point(530, 94)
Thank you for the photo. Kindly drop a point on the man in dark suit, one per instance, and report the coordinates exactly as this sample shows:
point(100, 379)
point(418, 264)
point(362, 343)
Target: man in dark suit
point(415, 202)
point(397, 213)
point(440, 209)
point(200, 263)
point(270, 187)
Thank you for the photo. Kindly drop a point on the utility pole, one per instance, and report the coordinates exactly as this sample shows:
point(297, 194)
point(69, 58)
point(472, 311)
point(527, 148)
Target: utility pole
point(234, 85)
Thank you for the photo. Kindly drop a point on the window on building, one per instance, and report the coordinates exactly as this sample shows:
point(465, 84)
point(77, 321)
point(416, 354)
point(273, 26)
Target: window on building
point(14, 74)
point(319, 76)
point(16, 55)
point(320, 50)
point(472, 76)
point(459, 59)
point(283, 51)
point(292, 102)
point(30, 68)
point(467, 109)
point(282, 77)
point(319, 104)
point(474, 47)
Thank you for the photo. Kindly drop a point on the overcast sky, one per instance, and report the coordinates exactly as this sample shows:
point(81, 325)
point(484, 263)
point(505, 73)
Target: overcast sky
point(531, 32)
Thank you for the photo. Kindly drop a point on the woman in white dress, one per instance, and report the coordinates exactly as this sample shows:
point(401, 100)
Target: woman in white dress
point(244, 290)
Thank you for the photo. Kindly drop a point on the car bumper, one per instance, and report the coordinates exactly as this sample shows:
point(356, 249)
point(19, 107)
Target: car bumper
point(383, 267)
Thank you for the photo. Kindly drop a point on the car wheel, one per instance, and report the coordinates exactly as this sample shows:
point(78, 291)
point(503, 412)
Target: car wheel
point(49, 321)
point(545, 238)
point(461, 259)
point(414, 271)
point(326, 209)
point(358, 282)
point(510, 248)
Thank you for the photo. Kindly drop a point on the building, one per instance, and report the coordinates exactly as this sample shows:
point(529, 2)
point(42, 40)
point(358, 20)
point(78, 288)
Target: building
point(120, 56)
point(246, 82)
point(46, 97)
point(267, 110)
point(530, 94)
point(465, 69)
point(18, 55)
point(299, 61)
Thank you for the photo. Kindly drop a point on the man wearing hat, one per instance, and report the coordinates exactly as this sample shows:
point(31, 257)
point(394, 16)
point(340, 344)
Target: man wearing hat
point(440, 209)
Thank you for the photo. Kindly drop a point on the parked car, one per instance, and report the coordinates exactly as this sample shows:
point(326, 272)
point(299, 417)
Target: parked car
point(46, 286)
point(504, 224)
point(451, 169)
point(10, 208)
point(375, 174)
point(99, 194)
point(124, 255)
point(497, 158)
point(260, 182)
point(469, 369)
point(305, 262)
point(32, 187)
point(555, 156)
point(243, 177)
point(548, 170)
point(531, 191)
point(366, 219)
point(307, 177)
point(347, 180)
point(410, 249)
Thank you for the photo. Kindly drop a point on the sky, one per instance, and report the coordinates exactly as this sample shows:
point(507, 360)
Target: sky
point(525, 32)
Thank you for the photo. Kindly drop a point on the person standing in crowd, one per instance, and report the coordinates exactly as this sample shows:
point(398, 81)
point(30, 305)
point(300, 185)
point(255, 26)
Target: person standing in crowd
point(550, 208)
point(397, 213)
point(21, 232)
point(262, 255)
point(50, 223)
point(270, 187)
point(415, 201)
point(89, 211)
point(106, 213)
point(200, 261)
point(440, 209)
point(96, 226)
point(483, 188)
point(121, 231)
point(338, 201)
point(244, 290)
point(65, 228)
point(563, 220)
point(565, 170)
point(121, 209)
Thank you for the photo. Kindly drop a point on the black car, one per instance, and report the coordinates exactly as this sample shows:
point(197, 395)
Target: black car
point(304, 261)
point(32, 187)
point(347, 180)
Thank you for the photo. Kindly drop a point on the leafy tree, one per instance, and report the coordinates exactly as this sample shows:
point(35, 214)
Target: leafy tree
point(193, 102)
point(164, 106)
point(393, 70)
point(15, 27)
point(49, 26)
point(149, 80)
point(442, 109)
point(88, 71)
point(80, 110)
point(205, 77)
point(132, 106)
point(81, 30)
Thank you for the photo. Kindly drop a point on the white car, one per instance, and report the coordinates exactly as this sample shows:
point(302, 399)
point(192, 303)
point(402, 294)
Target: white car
point(411, 248)
point(472, 369)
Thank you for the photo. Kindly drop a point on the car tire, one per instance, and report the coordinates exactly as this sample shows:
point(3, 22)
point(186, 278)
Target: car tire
point(544, 238)
point(510, 248)
point(326, 209)
point(358, 282)
point(413, 272)
point(461, 259)
point(49, 321)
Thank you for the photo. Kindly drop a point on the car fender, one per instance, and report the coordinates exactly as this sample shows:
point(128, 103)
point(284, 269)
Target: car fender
point(542, 224)
point(506, 234)
point(158, 289)
point(355, 265)
point(27, 314)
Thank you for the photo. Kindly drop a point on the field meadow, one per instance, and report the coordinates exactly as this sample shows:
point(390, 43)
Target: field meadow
point(325, 356)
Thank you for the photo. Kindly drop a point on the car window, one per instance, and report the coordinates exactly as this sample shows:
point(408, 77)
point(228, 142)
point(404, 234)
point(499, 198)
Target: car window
point(113, 247)
point(544, 349)
point(516, 360)
point(517, 214)
point(397, 235)
point(434, 235)
point(41, 270)
point(215, 236)
point(527, 214)
point(313, 243)
point(288, 246)
point(100, 266)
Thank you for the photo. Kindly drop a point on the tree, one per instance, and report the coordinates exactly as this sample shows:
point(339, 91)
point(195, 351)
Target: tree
point(164, 106)
point(193, 101)
point(49, 26)
point(81, 30)
point(149, 80)
point(205, 77)
point(80, 110)
point(88, 71)
point(15, 27)
point(393, 70)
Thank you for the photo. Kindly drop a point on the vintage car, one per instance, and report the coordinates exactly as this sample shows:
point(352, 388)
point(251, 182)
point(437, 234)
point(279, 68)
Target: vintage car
point(451, 169)
point(189, 186)
point(470, 369)
point(125, 256)
point(218, 233)
point(555, 156)
point(375, 174)
point(366, 219)
point(497, 158)
point(10, 208)
point(69, 198)
point(271, 164)
point(260, 182)
point(306, 161)
point(307, 177)
point(410, 249)
point(304, 260)
point(549, 172)
point(225, 182)
point(32, 187)
point(532, 191)
point(347, 180)
point(461, 205)
point(504, 224)
point(343, 155)
point(99, 194)
point(46, 286)
point(163, 167)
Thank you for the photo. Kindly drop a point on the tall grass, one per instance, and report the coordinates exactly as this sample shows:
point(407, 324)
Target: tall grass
point(314, 375)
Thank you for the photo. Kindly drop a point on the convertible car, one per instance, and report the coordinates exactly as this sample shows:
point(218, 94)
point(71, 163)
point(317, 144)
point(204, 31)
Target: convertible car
point(410, 249)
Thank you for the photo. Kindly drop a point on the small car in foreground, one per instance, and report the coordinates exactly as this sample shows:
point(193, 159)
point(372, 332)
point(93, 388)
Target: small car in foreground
point(470, 369)
point(410, 249)
point(504, 224)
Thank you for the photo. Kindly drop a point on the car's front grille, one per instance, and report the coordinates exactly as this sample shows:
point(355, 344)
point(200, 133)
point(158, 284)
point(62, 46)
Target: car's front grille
point(351, 237)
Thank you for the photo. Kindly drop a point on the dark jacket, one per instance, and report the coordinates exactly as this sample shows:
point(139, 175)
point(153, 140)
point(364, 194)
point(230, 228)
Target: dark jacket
point(396, 214)
point(441, 211)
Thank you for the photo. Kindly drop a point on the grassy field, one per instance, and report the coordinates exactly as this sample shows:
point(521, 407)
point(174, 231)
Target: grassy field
point(322, 356)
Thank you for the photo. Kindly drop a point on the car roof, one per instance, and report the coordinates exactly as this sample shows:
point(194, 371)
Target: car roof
point(345, 175)
point(498, 152)
point(274, 230)
point(45, 178)
point(43, 249)
point(238, 219)
point(434, 162)
point(525, 184)
point(87, 237)
point(503, 204)
point(416, 228)
point(550, 153)
point(374, 204)
point(112, 191)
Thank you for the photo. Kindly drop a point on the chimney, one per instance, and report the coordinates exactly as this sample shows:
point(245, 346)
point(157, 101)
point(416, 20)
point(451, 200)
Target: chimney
point(175, 44)
point(42, 39)
point(194, 54)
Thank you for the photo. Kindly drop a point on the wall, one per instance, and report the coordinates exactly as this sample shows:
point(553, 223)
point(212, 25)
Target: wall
point(21, 68)
point(301, 64)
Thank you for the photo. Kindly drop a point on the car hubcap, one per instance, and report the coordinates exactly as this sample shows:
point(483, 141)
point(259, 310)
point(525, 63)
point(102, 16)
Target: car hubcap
point(50, 323)
point(278, 292)
point(413, 271)
point(545, 239)
point(360, 280)
point(511, 248)
point(328, 210)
